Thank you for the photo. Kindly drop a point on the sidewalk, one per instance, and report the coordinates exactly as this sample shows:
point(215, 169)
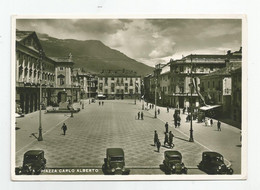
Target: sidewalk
point(226, 141)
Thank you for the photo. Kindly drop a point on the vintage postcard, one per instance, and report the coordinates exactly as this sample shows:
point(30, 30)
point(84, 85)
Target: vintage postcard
point(129, 98)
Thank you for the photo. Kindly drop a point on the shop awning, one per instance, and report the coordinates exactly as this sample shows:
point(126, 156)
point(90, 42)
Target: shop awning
point(209, 107)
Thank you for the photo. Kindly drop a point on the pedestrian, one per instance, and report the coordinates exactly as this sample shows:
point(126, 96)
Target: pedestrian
point(155, 139)
point(165, 138)
point(219, 126)
point(166, 127)
point(167, 109)
point(102, 103)
point(211, 122)
point(150, 106)
point(158, 145)
point(171, 139)
point(178, 120)
point(158, 111)
point(206, 122)
point(138, 115)
point(64, 128)
point(99, 102)
point(142, 116)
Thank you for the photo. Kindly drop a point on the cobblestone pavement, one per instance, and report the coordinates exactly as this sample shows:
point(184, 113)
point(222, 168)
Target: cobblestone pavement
point(96, 128)
point(226, 141)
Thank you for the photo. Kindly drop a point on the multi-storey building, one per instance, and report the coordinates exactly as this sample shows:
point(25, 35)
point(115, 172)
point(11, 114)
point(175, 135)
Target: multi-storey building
point(119, 84)
point(33, 66)
point(87, 83)
point(182, 72)
point(236, 98)
point(216, 87)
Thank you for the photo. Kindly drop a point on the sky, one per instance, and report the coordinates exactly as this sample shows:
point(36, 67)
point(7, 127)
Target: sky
point(150, 41)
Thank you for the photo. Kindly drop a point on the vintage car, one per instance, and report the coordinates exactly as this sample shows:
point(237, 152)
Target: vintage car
point(33, 163)
point(114, 163)
point(172, 163)
point(213, 163)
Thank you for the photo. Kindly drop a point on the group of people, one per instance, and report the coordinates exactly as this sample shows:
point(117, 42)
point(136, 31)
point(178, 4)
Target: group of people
point(177, 119)
point(168, 138)
point(140, 115)
point(209, 122)
point(101, 103)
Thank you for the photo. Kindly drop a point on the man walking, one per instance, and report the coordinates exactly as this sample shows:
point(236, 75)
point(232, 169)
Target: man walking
point(167, 109)
point(158, 111)
point(219, 126)
point(165, 138)
point(138, 115)
point(99, 102)
point(166, 127)
point(158, 145)
point(142, 116)
point(171, 139)
point(155, 139)
point(211, 122)
point(64, 128)
point(102, 103)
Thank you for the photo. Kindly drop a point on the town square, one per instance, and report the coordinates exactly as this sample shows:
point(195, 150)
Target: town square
point(84, 108)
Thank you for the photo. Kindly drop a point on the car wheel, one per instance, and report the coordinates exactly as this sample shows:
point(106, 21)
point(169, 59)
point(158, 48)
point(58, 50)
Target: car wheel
point(230, 171)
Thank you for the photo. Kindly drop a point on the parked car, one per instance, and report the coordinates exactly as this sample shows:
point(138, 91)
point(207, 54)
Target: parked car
point(114, 163)
point(172, 163)
point(33, 163)
point(213, 163)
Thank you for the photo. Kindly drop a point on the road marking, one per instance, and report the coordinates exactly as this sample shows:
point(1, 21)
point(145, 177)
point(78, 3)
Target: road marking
point(229, 163)
point(42, 135)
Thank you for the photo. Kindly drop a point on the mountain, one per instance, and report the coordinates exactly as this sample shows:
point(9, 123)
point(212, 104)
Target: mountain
point(92, 55)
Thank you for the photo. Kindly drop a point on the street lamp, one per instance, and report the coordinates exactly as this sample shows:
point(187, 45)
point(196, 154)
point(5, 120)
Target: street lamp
point(71, 107)
point(191, 110)
point(40, 111)
point(135, 91)
point(155, 99)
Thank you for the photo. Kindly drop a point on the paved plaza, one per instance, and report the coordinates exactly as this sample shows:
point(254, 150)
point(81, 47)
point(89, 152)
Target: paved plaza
point(96, 128)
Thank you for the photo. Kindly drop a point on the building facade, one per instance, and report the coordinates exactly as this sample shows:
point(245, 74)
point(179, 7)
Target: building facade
point(119, 84)
point(183, 88)
point(236, 98)
point(33, 67)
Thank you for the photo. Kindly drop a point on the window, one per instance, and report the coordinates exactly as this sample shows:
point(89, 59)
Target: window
point(101, 86)
point(211, 68)
point(106, 81)
point(131, 91)
point(208, 84)
point(61, 68)
point(181, 68)
point(201, 69)
point(112, 78)
point(213, 84)
point(61, 81)
point(112, 87)
point(100, 78)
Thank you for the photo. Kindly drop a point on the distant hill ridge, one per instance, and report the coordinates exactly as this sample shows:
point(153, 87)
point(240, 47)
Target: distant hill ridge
point(91, 55)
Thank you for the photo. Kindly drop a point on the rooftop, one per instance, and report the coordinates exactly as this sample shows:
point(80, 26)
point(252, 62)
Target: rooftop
point(20, 35)
point(118, 73)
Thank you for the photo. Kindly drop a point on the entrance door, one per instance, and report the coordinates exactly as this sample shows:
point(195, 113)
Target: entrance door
point(62, 97)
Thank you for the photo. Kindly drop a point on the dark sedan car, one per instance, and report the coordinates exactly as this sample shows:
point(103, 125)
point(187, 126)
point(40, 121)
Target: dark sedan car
point(33, 163)
point(114, 163)
point(172, 163)
point(213, 163)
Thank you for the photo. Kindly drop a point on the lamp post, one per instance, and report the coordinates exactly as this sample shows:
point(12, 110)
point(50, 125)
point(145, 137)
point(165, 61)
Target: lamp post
point(155, 99)
point(71, 107)
point(89, 82)
point(191, 110)
point(40, 111)
point(135, 91)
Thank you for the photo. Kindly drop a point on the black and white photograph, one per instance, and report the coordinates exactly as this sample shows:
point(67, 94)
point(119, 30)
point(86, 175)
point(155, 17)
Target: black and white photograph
point(129, 98)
